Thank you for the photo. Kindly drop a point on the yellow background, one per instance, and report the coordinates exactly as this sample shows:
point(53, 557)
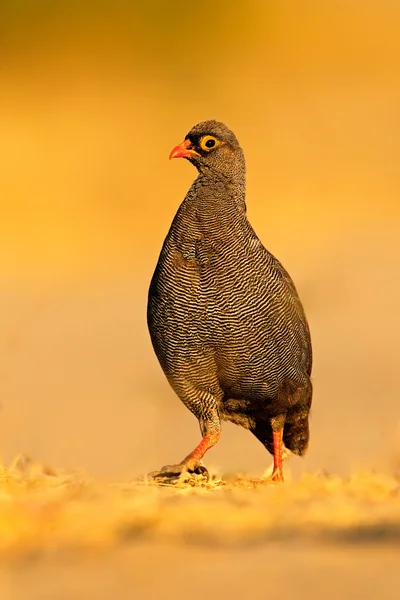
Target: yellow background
point(93, 96)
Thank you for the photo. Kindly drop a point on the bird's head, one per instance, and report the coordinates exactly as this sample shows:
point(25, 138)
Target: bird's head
point(211, 146)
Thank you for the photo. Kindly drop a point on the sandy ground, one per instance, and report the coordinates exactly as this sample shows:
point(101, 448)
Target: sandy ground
point(66, 536)
point(156, 570)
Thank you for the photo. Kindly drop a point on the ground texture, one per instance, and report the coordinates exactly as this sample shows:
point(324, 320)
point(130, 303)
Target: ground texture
point(64, 535)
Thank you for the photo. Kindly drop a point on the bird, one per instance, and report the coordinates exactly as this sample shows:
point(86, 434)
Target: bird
point(224, 316)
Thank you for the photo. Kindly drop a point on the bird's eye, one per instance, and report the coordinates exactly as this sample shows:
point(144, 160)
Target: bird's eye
point(208, 142)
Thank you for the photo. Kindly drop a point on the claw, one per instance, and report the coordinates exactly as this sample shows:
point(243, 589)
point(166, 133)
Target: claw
point(180, 473)
point(201, 470)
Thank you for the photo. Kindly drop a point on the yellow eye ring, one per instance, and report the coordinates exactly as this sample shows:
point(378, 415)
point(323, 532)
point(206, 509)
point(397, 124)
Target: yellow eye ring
point(208, 142)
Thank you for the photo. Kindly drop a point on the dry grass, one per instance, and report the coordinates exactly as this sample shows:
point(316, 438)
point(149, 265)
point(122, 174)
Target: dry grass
point(42, 510)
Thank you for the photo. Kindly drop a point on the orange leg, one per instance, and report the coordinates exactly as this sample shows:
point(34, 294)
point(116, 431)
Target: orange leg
point(194, 458)
point(277, 474)
point(191, 464)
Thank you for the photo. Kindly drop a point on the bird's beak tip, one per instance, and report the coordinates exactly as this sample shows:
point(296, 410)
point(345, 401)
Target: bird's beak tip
point(183, 150)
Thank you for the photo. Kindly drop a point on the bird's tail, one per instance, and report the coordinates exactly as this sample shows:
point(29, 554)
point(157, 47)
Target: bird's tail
point(296, 432)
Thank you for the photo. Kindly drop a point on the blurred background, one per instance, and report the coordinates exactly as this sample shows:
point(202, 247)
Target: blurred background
point(93, 96)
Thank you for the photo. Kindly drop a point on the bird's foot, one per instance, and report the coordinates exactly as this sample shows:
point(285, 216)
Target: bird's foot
point(275, 477)
point(181, 473)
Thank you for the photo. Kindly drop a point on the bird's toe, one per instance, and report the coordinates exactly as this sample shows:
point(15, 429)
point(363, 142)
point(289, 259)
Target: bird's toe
point(180, 473)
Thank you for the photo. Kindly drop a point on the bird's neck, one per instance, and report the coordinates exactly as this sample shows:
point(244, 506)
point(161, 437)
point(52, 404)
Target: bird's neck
point(214, 207)
point(217, 193)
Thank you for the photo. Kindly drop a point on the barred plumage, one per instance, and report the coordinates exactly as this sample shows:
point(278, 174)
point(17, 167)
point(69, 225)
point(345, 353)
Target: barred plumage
point(224, 316)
